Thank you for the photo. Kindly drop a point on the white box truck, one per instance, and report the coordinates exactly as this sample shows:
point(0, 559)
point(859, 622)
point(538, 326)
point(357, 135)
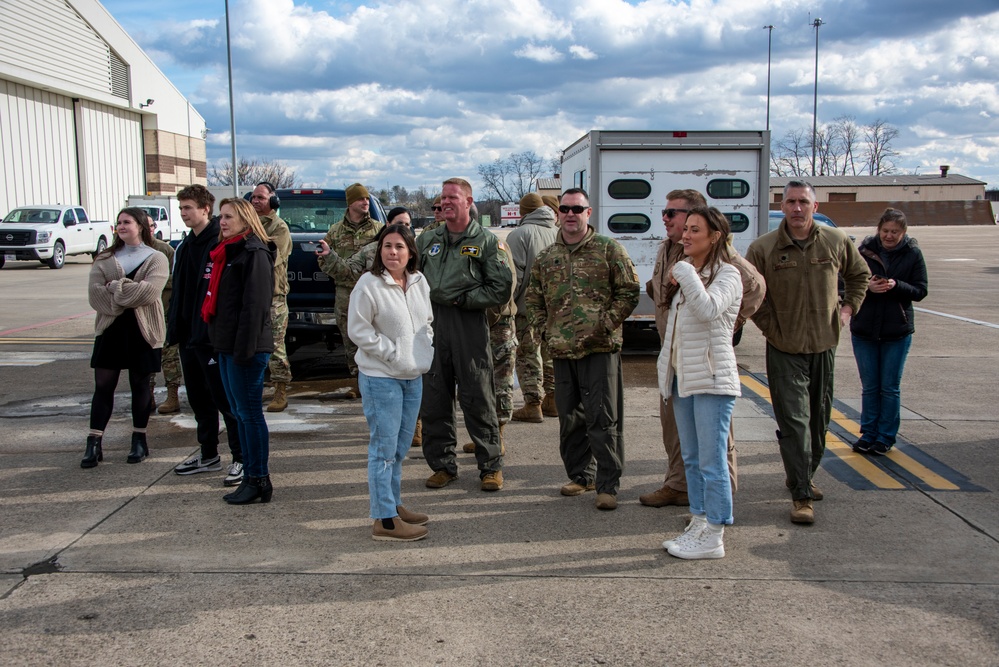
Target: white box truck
point(165, 212)
point(628, 174)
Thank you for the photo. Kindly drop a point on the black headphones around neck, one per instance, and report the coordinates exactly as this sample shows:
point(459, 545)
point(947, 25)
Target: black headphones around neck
point(274, 202)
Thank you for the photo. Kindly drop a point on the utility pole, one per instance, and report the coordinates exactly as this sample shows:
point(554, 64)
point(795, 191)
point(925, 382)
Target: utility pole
point(770, 38)
point(232, 109)
point(815, 96)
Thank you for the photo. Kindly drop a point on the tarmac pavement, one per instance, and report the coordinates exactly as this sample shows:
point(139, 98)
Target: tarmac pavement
point(134, 565)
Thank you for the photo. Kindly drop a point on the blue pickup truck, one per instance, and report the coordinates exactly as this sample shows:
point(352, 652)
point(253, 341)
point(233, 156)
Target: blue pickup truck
point(309, 214)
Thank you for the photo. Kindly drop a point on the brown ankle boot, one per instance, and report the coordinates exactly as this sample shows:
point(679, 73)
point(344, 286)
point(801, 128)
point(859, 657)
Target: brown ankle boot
point(531, 412)
point(172, 402)
point(418, 434)
point(548, 408)
point(280, 400)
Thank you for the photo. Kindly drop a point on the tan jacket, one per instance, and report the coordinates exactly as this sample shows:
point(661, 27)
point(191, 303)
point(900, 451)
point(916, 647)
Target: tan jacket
point(800, 314)
point(754, 287)
point(277, 229)
point(111, 293)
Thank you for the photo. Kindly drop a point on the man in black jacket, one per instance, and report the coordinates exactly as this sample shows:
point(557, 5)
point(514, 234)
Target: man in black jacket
point(205, 393)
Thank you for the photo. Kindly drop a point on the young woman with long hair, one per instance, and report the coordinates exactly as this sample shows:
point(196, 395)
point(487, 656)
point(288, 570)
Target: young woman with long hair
point(126, 283)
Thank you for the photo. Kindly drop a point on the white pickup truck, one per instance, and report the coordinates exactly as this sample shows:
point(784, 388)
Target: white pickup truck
point(49, 233)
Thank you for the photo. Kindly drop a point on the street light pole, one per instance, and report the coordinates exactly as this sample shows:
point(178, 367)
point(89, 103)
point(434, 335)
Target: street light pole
point(770, 38)
point(815, 96)
point(232, 110)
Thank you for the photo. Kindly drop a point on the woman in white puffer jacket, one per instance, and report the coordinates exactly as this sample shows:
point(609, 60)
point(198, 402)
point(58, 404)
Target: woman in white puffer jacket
point(697, 366)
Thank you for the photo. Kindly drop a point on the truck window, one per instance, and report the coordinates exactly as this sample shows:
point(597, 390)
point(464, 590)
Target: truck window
point(728, 188)
point(68, 218)
point(629, 223)
point(629, 188)
point(81, 215)
point(739, 222)
point(304, 213)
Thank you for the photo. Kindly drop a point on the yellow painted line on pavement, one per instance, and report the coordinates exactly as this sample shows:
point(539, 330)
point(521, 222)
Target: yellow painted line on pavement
point(868, 470)
point(932, 479)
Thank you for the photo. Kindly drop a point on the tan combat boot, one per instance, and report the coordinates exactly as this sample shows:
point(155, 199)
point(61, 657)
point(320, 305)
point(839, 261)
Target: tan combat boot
point(353, 390)
point(280, 400)
point(548, 408)
point(418, 434)
point(531, 412)
point(172, 402)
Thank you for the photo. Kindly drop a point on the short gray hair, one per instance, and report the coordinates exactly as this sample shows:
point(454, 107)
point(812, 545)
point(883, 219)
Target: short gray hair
point(800, 184)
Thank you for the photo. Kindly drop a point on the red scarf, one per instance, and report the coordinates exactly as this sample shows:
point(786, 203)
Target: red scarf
point(218, 264)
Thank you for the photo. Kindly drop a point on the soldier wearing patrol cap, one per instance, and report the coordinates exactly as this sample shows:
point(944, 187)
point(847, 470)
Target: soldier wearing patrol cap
point(356, 230)
point(582, 289)
point(467, 274)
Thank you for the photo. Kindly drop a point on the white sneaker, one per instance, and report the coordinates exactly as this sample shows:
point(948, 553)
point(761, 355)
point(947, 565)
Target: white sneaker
point(194, 465)
point(234, 476)
point(708, 544)
point(693, 529)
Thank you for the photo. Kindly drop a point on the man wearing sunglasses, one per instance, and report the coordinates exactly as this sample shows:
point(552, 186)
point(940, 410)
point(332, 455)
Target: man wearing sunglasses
point(582, 289)
point(678, 204)
point(438, 212)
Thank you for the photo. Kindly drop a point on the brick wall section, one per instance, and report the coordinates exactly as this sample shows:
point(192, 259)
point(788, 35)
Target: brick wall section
point(866, 214)
point(173, 161)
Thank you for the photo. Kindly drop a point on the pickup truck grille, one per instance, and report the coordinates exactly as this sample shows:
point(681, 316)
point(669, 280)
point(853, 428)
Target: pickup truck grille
point(16, 238)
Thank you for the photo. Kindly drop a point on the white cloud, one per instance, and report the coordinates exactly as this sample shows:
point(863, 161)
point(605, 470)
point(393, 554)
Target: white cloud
point(541, 54)
point(582, 52)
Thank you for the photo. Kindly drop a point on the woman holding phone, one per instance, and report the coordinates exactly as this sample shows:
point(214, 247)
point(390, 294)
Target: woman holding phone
point(882, 330)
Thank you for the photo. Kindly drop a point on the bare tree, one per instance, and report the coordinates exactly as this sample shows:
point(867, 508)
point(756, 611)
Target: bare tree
point(251, 172)
point(512, 177)
point(847, 137)
point(790, 155)
point(878, 154)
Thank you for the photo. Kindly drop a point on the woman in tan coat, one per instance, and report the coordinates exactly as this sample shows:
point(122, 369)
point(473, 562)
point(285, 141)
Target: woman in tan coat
point(126, 282)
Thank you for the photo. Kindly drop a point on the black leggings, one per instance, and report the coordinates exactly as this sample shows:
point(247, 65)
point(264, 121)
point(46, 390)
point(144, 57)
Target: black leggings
point(105, 382)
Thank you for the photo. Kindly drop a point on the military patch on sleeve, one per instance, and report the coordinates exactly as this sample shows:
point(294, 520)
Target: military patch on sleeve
point(435, 249)
point(470, 250)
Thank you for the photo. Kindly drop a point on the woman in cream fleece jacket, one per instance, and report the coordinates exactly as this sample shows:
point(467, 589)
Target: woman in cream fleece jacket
point(389, 320)
point(697, 366)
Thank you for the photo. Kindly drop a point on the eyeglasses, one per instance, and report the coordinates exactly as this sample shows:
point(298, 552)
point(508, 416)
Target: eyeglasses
point(436, 208)
point(671, 212)
point(578, 210)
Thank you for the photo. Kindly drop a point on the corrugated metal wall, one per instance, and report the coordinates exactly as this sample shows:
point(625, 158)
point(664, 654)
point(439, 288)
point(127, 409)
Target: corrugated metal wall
point(37, 148)
point(67, 49)
point(111, 159)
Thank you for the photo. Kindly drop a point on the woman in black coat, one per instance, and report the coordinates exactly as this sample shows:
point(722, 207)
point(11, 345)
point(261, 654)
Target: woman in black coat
point(882, 330)
point(237, 308)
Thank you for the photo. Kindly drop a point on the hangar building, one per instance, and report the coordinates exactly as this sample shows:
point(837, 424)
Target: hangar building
point(85, 116)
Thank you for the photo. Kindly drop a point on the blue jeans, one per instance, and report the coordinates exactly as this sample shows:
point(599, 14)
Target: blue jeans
point(703, 421)
point(880, 364)
point(391, 407)
point(244, 386)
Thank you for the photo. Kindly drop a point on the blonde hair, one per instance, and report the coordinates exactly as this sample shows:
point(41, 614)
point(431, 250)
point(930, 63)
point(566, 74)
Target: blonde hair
point(245, 213)
point(465, 186)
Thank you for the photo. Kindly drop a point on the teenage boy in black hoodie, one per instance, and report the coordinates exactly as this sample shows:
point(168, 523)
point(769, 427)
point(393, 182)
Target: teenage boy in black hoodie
point(205, 393)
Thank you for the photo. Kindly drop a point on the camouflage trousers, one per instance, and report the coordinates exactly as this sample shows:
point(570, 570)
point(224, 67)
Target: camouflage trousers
point(503, 341)
point(340, 310)
point(279, 365)
point(170, 362)
point(534, 365)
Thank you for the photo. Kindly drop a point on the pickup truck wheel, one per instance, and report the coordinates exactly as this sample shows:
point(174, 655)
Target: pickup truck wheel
point(58, 256)
point(101, 246)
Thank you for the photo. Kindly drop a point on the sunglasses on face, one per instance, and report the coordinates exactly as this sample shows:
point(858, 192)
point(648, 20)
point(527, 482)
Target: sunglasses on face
point(671, 212)
point(578, 210)
point(436, 208)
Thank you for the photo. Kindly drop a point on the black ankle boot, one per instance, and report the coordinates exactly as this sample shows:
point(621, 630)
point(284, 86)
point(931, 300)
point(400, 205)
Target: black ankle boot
point(240, 490)
point(139, 450)
point(93, 453)
point(251, 489)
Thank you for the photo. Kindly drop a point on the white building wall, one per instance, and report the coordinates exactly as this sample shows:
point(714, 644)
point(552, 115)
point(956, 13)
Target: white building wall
point(37, 148)
point(111, 157)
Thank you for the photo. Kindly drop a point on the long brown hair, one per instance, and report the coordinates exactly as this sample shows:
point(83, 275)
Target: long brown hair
point(717, 255)
point(142, 219)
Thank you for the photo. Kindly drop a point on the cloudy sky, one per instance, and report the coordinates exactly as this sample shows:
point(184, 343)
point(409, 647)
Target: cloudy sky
point(409, 92)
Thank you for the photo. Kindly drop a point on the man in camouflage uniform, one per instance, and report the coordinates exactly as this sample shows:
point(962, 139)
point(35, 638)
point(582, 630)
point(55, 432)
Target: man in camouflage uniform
point(265, 203)
point(534, 368)
point(467, 274)
point(170, 358)
point(583, 287)
point(356, 230)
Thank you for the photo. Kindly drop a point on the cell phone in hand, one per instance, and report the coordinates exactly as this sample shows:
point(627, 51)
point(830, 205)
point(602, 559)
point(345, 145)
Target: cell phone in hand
point(308, 246)
point(877, 277)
